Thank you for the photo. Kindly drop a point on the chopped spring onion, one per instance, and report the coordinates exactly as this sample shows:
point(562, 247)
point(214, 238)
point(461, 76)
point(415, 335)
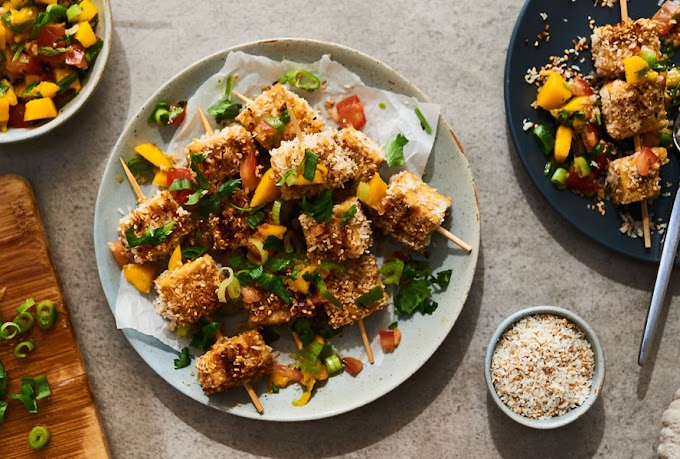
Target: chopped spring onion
point(581, 166)
point(301, 79)
point(6, 331)
point(648, 55)
point(262, 253)
point(370, 297)
point(222, 289)
point(333, 364)
point(559, 178)
point(274, 122)
point(276, 212)
point(26, 305)
point(545, 138)
point(423, 122)
point(183, 332)
point(38, 437)
point(27, 395)
point(382, 105)
point(310, 161)
point(42, 387)
point(46, 313)
point(23, 348)
point(596, 151)
point(3, 408)
point(665, 139)
point(3, 382)
point(391, 272)
point(328, 266)
point(351, 212)
point(160, 114)
point(547, 168)
point(73, 12)
point(323, 290)
point(25, 321)
point(307, 359)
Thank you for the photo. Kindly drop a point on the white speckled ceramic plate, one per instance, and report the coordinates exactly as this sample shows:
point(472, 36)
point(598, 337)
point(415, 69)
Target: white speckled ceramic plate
point(448, 170)
point(104, 31)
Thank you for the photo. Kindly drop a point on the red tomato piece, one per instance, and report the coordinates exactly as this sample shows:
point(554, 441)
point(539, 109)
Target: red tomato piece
point(50, 35)
point(351, 112)
point(118, 252)
point(590, 136)
point(647, 162)
point(352, 366)
point(24, 65)
point(76, 56)
point(586, 185)
point(181, 196)
point(580, 87)
point(247, 170)
point(664, 17)
point(177, 120)
point(16, 116)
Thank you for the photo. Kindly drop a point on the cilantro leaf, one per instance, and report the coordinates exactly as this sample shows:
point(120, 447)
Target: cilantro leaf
point(204, 338)
point(276, 285)
point(416, 287)
point(272, 243)
point(194, 251)
point(180, 184)
point(321, 208)
point(141, 168)
point(351, 212)
point(225, 110)
point(278, 264)
point(183, 359)
point(411, 296)
point(202, 180)
point(150, 236)
point(255, 219)
point(249, 274)
point(227, 189)
point(394, 150)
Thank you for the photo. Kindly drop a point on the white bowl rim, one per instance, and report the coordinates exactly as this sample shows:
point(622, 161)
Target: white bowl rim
point(70, 109)
point(598, 372)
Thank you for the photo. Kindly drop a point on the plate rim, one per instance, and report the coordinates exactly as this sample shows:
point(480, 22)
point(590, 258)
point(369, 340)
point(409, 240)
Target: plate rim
point(131, 335)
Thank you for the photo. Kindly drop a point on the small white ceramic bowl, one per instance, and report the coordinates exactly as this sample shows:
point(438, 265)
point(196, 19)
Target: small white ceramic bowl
point(598, 371)
point(89, 84)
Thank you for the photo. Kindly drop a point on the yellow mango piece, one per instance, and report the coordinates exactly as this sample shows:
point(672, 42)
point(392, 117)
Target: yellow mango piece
point(637, 70)
point(60, 74)
point(574, 105)
point(4, 110)
point(3, 37)
point(175, 259)
point(372, 192)
point(300, 284)
point(10, 95)
point(141, 276)
point(319, 176)
point(266, 190)
point(267, 229)
point(39, 109)
point(85, 35)
point(554, 92)
point(23, 15)
point(87, 11)
point(161, 178)
point(154, 155)
point(563, 143)
point(47, 89)
point(47, 2)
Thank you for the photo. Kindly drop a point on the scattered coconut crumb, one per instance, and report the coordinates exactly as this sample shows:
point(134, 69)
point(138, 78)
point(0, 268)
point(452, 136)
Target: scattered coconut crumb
point(606, 3)
point(527, 124)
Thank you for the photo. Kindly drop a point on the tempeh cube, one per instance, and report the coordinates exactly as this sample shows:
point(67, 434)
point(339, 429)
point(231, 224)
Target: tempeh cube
point(367, 154)
point(411, 211)
point(631, 109)
point(230, 362)
point(188, 293)
point(223, 151)
point(153, 214)
point(229, 228)
point(611, 44)
point(270, 105)
point(344, 236)
point(358, 277)
point(334, 166)
point(625, 183)
point(265, 309)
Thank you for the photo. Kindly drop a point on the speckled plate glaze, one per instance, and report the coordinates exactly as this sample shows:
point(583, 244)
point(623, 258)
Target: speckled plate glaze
point(448, 170)
point(103, 31)
point(567, 20)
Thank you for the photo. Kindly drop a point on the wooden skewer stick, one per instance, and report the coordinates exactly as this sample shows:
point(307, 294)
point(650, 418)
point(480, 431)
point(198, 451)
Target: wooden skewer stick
point(367, 344)
point(294, 121)
point(643, 204)
point(206, 124)
point(133, 182)
point(253, 396)
point(624, 10)
point(455, 239)
point(296, 338)
point(243, 98)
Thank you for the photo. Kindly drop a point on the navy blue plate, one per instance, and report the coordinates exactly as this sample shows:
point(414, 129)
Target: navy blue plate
point(568, 20)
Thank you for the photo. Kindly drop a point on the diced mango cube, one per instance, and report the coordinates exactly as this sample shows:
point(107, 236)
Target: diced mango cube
point(267, 229)
point(266, 190)
point(175, 259)
point(563, 143)
point(23, 15)
point(47, 89)
point(154, 155)
point(60, 74)
point(4, 110)
point(319, 176)
point(87, 11)
point(10, 95)
point(373, 192)
point(85, 35)
point(39, 109)
point(300, 284)
point(638, 70)
point(141, 276)
point(160, 178)
point(554, 92)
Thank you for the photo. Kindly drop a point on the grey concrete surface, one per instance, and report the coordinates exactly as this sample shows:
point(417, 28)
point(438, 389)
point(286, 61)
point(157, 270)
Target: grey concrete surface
point(454, 51)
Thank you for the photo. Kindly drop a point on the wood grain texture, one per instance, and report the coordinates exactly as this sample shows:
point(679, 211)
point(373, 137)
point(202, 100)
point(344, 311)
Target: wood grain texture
point(27, 271)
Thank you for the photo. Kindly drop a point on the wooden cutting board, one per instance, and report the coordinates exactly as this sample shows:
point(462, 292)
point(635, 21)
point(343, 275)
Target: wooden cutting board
point(26, 271)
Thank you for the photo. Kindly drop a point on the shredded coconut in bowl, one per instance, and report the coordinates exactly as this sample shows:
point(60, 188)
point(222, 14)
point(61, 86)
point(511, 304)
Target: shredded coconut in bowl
point(542, 366)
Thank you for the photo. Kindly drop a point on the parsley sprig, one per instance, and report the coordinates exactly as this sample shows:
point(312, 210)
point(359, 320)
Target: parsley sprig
point(416, 286)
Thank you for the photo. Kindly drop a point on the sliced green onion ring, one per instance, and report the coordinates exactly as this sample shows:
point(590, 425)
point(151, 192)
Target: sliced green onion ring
point(234, 289)
point(38, 437)
point(259, 245)
point(46, 313)
point(323, 290)
point(333, 364)
point(302, 79)
point(25, 321)
point(310, 161)
point(423, 121)
point(42, 387)
point(276, 212)
point(26, 305)
point(370, 297)
point(23, 348)
point(6, 333)
point(391, 272)
point(3, 408)
point(222, 289)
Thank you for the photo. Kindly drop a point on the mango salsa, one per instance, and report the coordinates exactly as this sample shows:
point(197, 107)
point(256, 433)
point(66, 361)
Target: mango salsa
point(554, 92)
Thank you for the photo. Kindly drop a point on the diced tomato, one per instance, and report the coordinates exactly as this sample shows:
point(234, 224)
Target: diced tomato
point(118, 252)
point(664, 18)
point(24, 65)
point(250, 295)
point(16, 116)
point(76, 56)
point(647, 162)
point(177, 120)
point(390, 339)
point(590, 136)
point(580, 87)
point(352, 366)
point(248, 172)
point(351, 112)
point(283, 375)
point(50, 34)
point(180, 196)
point(586, 185)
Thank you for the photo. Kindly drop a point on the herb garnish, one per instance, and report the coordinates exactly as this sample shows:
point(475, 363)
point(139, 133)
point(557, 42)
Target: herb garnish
point(320, 208)
point(302, 79)
point(183, 359)
point(150, 236)
point(423, 122)
point(416, 287)
point(205, 337)
point(351, 212)
point(194, 251)
point(394, 150)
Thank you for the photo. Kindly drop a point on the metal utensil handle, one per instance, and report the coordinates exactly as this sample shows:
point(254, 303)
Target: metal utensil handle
point(670, 248)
